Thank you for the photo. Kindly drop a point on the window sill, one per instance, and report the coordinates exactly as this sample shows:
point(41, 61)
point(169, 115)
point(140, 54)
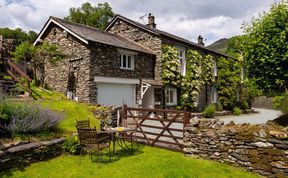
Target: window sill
point(126, 68)
point(171, 104)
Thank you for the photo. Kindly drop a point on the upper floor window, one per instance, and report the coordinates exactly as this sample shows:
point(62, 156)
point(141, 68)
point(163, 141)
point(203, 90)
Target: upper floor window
point(215, 67)
point(182, 59)
point(127, 60)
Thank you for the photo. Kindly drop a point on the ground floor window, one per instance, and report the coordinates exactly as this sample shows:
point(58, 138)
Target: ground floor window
point(171, 96)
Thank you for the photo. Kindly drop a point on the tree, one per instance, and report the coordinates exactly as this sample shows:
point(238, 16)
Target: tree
point(266, 49)
point(18, 35)
point(38, 56)
point(94, 16)
point(24, 52)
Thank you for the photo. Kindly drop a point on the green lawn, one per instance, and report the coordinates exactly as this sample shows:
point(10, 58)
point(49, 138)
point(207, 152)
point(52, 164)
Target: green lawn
point(72, 110)
point(146, 162)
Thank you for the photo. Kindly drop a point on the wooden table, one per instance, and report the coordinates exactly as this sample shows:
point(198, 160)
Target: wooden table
point(115, 132)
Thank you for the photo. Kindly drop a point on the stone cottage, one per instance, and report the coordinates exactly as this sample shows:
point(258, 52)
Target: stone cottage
point(121, 64)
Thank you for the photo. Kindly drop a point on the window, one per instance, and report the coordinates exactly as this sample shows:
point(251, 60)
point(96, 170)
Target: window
point(213, 95)
point(158, 96)
point(182, 58)
point(215, 68)
point(171, 96)
point(127, 61)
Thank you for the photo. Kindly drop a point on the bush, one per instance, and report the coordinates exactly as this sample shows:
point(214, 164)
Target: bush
point(281, 102)
point(20, 117)
point(244, 105)
point(236, 111)
point(209, 111)
point(72, 146)
point(219, 106)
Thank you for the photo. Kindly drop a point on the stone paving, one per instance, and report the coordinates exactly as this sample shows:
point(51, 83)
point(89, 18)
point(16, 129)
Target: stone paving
point(261, 117)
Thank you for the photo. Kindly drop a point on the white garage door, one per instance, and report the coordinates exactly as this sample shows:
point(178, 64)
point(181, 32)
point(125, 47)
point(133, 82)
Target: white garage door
point(116, 94)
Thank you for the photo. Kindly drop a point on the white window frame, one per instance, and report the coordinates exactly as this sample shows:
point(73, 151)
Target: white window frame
point(168, 90)
point(215, 70)
point(213, 94)
point(182, 59)
point(127, 54)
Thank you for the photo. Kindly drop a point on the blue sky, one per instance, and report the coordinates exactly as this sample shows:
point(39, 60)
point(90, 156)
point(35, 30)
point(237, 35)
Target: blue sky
point(213, 19)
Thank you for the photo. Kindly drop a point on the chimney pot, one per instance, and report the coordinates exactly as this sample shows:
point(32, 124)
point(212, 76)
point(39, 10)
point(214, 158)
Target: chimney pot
point(151, 21)
point(200, 40)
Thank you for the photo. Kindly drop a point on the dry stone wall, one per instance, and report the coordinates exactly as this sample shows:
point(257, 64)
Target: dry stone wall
point(262, 148)
point(24, 153)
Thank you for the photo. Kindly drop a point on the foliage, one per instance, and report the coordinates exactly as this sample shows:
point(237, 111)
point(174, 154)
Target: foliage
point(71, 145)
point(281, 102)
point(199, 70)
point(20, 117)
point(24, 52)
point(266, 49)
point(38, 56)
point(228, 81)
point(171, 164)
point(236, 111)
point(18, 35)
point(71, 110)
point(219, 106)
point(95, 16)
point(170, 66)
point(249, 92)
point(244, 105)
point(210, 111)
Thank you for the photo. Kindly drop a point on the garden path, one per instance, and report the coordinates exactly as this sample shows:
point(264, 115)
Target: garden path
point(261, 117)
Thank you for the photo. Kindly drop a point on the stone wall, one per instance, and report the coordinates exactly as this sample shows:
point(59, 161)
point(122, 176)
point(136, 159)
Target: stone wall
point(25, 153)
point(106, 62)
point(73, 72)
point(146, 39)
point(262, 102)
point(261, 148)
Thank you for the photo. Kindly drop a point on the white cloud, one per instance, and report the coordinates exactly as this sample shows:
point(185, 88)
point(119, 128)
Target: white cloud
point(213, 19)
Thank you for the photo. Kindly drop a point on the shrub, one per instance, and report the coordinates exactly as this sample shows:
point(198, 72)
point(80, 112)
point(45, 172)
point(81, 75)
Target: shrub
point(236, 111)
point(281, 102)
point(219, 106)
point(20, 117)
point(71, 145)
point(244, 105)
point(209, 111)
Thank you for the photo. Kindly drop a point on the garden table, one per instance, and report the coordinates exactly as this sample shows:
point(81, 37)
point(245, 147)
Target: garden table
point(115, 132)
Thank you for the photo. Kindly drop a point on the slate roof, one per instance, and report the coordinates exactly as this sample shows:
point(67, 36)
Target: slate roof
point(96, 35)
point(163, 33)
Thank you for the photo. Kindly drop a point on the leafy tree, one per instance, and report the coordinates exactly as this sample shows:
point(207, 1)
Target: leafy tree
point(24, 52)
point(38, 56)
point(266, 49)
point(95, 16)
point(18, 35)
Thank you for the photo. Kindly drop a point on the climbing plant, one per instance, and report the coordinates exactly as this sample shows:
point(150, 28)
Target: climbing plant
point(171, 75)
point(199, 70)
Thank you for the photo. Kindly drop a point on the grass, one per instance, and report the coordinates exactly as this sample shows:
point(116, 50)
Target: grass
point(72, 110)
point(146, 162)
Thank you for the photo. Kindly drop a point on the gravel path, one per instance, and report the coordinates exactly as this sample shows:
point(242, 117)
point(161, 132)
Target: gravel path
point(257, 118)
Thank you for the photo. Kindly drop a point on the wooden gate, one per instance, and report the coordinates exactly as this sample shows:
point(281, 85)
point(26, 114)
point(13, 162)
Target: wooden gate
point(158, 127)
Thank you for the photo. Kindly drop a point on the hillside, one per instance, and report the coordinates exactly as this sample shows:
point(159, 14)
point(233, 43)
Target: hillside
point(220, 45)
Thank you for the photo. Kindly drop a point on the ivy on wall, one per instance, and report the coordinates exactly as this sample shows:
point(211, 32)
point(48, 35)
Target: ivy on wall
point(199, 70)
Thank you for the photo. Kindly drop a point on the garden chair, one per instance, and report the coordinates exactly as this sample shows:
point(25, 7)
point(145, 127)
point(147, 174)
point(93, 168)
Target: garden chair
point(91, 141)
point(130, 135)
point(83, 123)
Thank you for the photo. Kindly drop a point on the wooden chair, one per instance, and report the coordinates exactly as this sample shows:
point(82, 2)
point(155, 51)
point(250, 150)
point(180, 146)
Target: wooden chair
point(83, 123)
point(91, 141)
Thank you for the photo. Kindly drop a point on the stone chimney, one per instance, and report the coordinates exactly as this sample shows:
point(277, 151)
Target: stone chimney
point(200, 40)
point(151, 21)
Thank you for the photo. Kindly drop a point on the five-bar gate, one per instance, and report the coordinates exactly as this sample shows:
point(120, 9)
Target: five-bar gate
point(158, 127)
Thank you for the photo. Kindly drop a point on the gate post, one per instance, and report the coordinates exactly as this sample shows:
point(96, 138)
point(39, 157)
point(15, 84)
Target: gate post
point(124, 111)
